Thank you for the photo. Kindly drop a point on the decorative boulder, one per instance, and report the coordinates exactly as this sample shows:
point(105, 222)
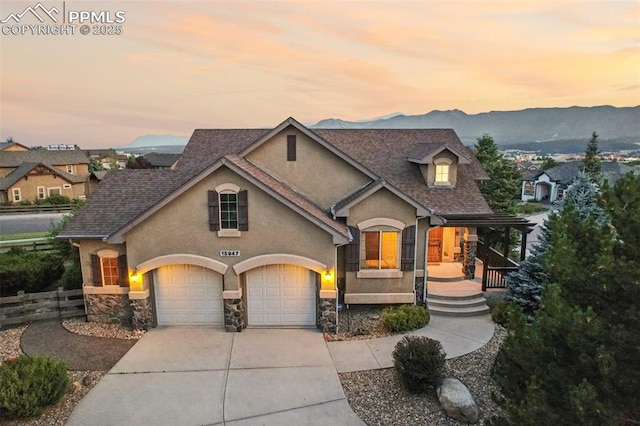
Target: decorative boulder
point(457, 402)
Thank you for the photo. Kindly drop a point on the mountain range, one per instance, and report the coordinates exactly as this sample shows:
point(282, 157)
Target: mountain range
point(533, 129)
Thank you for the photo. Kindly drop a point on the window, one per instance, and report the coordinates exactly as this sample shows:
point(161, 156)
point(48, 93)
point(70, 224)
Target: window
point(380, 250)
point(229, 211)
point(17, 195)
point(109, 269)
point(442, 173)
point(69, 168)
point(529, 188)
point(54, 191)
point(66, 186)
point(41, 193)
point(291, 147)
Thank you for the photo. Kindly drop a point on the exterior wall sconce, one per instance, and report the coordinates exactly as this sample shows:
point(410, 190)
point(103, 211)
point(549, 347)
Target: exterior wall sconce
point(327, 276)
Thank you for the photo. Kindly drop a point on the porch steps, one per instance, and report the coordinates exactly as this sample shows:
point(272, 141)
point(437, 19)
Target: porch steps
point(457, 306)
point(446, 279)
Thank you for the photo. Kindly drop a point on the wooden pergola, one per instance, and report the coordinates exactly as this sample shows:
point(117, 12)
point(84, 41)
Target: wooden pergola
point(496, 265)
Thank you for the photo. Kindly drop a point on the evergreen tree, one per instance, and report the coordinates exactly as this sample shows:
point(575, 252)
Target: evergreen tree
point(502, 191)
point(592, 164)
point(578, 362)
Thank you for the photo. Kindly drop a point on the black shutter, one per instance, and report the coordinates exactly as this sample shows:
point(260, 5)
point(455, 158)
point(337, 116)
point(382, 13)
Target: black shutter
point(352, 251)
point(291, 147)
point(408, 248)
point(96, 269)
point(123, 271)
point(214, 220)
point(243, 211)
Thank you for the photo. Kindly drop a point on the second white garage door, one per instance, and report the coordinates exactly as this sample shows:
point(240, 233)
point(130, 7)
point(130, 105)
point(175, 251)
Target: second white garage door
point(281, 295)
point(188, 295)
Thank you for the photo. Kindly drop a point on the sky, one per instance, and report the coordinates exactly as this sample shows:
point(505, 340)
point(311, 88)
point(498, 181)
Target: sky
point(181, 65)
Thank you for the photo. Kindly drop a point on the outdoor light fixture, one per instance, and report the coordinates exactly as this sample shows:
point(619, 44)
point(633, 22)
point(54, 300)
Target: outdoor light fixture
point(135, 276)
point(328, 276)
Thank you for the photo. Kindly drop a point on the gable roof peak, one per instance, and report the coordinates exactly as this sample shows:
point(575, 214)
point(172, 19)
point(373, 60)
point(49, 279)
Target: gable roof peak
point(424, 153)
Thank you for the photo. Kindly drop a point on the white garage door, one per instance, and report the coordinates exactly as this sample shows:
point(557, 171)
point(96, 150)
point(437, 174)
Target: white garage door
point(188, 295)
point(281, 295)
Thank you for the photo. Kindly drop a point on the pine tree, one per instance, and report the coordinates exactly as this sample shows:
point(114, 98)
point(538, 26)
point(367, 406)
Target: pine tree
point(592, 164)
point(502, 191)
point(578, 361)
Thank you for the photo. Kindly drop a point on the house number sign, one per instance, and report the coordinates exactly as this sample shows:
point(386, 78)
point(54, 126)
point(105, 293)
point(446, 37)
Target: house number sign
point(229, 253)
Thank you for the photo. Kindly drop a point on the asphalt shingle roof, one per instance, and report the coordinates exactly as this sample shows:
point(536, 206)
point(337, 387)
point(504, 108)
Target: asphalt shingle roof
point(43, 155)
point(158, 159)
point(120, 198)
point(565, 172)
point(123, 196)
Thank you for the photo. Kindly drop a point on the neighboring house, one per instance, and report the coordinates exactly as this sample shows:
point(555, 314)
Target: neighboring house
point(35, 174)
point(161, 160)
point(11, 146)
point(260, 227)
point(108, 158)
point(528, 169)
point(549, 185)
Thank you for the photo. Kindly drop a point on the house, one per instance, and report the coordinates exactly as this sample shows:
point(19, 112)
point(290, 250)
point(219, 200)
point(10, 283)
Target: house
point(274, 227)
point(549, 185)
point(28, 175)
point(528, 169)
point(11, 146)
point(159, 160)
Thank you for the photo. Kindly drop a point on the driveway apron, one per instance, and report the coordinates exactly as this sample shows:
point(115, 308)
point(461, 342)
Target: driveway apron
point(205, 376)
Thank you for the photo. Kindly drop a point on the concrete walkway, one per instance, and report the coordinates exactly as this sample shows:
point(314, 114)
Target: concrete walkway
point(459, 336)
point(205, 376)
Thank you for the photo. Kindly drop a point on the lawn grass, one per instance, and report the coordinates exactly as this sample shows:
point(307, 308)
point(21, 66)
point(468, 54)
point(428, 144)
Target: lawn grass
point(532, 208)
point(23, 236)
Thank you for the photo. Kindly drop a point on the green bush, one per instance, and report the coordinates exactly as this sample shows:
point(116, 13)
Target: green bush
point(419, 362)
point(501, 312)
point(57, 199)
point(72, 276)
point(28, 271)
point(30, 383)
point(405, 318)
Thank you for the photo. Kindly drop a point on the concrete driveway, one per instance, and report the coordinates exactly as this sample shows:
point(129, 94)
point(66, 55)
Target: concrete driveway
point(205, 376)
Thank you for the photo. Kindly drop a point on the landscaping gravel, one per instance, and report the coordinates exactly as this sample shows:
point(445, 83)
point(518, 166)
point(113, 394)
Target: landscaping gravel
point(10, 342)
point(97, 329)
point(378, 398)
point(360, 322)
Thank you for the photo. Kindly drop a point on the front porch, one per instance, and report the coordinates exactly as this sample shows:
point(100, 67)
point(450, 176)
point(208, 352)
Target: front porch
point(450, 294)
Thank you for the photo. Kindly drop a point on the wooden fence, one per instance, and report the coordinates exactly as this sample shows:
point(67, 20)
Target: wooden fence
point(29, 244)
point(27, 307)
point(42, 208)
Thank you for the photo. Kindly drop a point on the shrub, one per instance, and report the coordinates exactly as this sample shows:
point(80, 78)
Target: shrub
point(418, 362)
point(28, 271)
point(405, 318)
point(72, 276)
point(501, 312)
point(30, 383)
point(57, 199)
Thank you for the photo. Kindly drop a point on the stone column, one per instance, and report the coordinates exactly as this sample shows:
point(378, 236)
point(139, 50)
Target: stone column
point(234, 315)
point(419, 289)
point(141, 310)
point(469, 250)
point(328, 317)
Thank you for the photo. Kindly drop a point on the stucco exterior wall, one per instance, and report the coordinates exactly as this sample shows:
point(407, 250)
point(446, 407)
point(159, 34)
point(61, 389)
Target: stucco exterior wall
point(445, 157)
point(382, 204)
point(29, 187)
point(182, 227)
point(317, 173)
point(78, 169)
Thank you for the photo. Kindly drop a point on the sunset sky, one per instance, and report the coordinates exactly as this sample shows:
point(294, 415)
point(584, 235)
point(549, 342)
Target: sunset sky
point(183, 65)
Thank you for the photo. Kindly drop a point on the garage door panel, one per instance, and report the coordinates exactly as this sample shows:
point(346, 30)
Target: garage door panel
point(188, 295)
point(282, 295)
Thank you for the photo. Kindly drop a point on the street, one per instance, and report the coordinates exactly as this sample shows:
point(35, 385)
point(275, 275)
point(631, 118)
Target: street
point(30, 222)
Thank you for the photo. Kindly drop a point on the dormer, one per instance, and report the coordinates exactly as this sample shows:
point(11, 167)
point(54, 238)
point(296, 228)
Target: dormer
point(439, 164)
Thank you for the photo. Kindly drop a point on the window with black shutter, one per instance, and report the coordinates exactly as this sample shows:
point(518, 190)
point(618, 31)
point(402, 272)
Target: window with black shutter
point(408, 248)
point(352, 251)
point(228, 211)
